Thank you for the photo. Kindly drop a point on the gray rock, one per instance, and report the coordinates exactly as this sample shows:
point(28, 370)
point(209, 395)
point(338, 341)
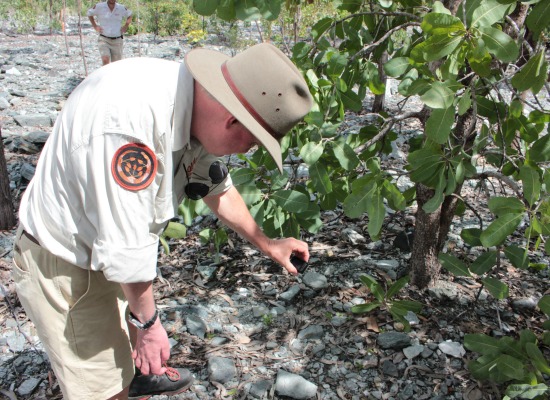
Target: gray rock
point(34, 120)
point(289, 295)
point(311, 332)
point(454, 349)
point(294, 386)
point(28, 386)
point(315, 280)
point(444, 290)
point(4, 104)
point(221, 369)
point(390, 369)
point(393, 340)
point(196, 326)
point(353, 237)
point(259, 389)
point(413, 351)
point(525, 304)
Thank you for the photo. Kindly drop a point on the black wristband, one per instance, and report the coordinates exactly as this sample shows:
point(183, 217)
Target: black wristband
point(143, 325)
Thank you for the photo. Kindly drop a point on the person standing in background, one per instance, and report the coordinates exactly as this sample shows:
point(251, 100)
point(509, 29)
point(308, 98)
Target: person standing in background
point(110, 16)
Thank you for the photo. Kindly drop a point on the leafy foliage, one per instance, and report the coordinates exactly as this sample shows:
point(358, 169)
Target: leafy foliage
point(385, 299)
point(519, 362)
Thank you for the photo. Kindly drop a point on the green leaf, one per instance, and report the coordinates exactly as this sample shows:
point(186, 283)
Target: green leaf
point(490, 11)
point(532, 75)
point(310, 152)
point(205, 7)
point(336, 65)
point(537, 358)
point(438, 126)
point(351, 100)
point(441, 24)
point(246, 10)
point(320, 27)
point(376, 212)
point(540, 150)
point(320, 178)
point(481, 344)
point(435, 202)
point(242, 176)
point(506, 205)
point(499, 44)
point(526, 391)
point(510, 366)
point(397, 66)
point(365, 308)
point(269, 9)
point(408, 305)
point(499, 229)
point(538, 18)
point(517, 256)
point(164, 244)
point(498, 289)
point(544, 304)
point(395, 198)
point(531, 183)
point(175, 230)
point(373, 286)
point(439, 46)
point(226, 10)
point(471, 236)
point(397, 286)
point(438, 96)
point(356, 203)
point(250, 193)
point(484, 262)
point(453, 265)
point(291, 200)
point(345, 155)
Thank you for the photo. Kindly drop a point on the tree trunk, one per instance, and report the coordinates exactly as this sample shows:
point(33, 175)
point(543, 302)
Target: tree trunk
point(431, 230)
point(379, 99)
point(7, 213)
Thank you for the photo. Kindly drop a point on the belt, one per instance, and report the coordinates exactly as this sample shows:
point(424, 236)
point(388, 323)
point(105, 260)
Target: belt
point(108, 37)
point(30, 237)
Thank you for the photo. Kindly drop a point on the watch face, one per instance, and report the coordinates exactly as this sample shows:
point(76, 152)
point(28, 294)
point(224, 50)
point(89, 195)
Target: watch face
point(138, 324)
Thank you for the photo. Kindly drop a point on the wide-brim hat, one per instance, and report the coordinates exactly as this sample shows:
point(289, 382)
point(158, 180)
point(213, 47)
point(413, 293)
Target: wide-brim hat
point(260, 87)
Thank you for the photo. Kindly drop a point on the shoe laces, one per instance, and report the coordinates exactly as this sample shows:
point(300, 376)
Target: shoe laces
point(172, 373)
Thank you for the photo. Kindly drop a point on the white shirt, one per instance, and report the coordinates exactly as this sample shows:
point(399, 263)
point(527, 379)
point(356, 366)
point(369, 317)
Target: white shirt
point(110, 21)
point(75, 207)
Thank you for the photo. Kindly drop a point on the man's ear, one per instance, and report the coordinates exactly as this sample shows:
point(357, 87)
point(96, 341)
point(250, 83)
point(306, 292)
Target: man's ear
point(231, 121)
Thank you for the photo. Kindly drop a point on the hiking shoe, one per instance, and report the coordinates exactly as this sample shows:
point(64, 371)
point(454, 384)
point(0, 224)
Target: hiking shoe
point(173, 381)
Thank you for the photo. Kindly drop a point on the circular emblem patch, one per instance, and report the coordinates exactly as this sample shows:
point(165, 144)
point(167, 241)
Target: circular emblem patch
point(134, 166)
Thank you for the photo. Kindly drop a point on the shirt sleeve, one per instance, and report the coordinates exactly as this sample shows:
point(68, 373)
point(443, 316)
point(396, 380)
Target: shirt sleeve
point(120, 181)
point(91, 11)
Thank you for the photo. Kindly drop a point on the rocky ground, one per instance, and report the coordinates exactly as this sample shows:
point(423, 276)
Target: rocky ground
point(244, 328)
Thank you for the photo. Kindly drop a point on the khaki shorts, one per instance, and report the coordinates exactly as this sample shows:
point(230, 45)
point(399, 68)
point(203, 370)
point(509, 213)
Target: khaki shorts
point(80, 319)
point(110, 48)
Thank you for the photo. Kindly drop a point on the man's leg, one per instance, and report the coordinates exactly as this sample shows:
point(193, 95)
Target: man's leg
point(104, 50)
point(116, 49)
point(79, 317)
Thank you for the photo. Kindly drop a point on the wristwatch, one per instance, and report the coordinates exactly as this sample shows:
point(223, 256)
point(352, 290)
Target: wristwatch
point(143, 325)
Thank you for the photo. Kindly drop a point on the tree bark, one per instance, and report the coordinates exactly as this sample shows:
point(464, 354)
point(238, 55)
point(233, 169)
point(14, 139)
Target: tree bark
point(431, 230)
point(7, 213)
point(379, 99)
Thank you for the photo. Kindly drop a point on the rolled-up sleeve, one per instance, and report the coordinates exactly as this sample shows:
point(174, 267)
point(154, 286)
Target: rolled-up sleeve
point(125, 241)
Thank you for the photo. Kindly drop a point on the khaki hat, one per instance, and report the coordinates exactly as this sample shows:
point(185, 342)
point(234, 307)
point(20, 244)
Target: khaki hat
point(260, 87)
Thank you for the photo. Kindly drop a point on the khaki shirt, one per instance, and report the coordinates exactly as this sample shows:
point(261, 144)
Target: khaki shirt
point(83, 203)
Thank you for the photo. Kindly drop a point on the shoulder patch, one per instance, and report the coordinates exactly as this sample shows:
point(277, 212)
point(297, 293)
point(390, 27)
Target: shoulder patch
point(134, 166)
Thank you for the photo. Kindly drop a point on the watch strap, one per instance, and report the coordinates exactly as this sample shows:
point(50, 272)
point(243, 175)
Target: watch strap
point(143, 325)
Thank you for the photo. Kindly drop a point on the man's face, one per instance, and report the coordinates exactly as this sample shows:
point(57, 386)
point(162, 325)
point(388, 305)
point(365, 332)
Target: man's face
point(234, 141)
